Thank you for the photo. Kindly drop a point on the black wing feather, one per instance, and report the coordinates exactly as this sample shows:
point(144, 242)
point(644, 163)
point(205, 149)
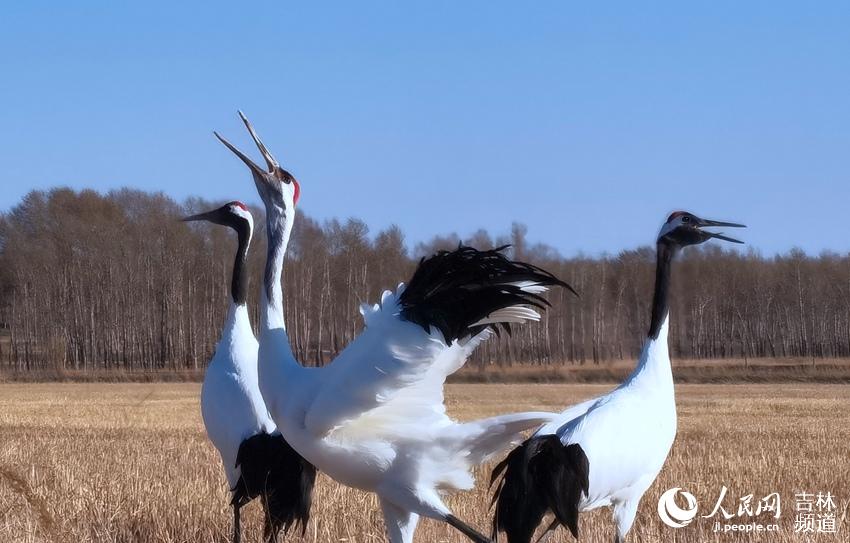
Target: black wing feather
point(540, 475)
point(282, 478)
point(452, 290)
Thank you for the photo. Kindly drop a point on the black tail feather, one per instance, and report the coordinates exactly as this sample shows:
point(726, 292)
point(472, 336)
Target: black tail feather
point(270, 468)
point(539, 476)
point(453, 290)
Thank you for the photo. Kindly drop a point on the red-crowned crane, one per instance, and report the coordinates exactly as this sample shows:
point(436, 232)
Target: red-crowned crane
point(375, 418)
point(257, 460)
point(606, 451)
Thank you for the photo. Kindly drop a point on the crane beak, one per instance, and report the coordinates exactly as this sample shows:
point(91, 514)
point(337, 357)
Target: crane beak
point(248, 162)
point(270, 160)
point(273, 166)
point(198, 217)
point(264, 179)
point(716, 224)
point(214, 216)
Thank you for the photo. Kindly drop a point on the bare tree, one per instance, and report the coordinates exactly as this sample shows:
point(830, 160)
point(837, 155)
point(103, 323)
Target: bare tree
point(117, 282)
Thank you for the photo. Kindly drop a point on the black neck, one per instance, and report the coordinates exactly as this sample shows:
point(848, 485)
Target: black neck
point(239, 281)
point(660, 300)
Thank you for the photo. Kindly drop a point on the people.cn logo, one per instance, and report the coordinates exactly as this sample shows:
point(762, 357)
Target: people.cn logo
point(671, 514)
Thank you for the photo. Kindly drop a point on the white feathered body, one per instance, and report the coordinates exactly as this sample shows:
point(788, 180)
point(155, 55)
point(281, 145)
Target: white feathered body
point(375, 419)
point(231, 404)
point(627, 433)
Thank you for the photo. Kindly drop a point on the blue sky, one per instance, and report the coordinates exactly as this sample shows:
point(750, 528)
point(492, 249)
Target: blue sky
point(588, 123)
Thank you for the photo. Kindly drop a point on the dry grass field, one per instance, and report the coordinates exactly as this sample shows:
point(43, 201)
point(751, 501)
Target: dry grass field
point(130, 462)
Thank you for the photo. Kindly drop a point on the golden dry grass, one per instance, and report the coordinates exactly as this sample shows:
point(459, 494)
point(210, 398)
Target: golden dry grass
point(130, 462)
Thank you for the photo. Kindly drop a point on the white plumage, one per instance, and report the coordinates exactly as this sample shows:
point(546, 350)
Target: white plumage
point(383, 396)
point(626, 434)
point(257, 460)
point(610, 449)
point(374, 418)
point(231, 404)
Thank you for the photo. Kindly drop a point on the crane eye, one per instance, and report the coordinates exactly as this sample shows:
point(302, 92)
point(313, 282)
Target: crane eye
point(686, 219)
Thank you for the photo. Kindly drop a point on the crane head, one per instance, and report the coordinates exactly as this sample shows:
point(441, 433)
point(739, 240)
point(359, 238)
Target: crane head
point(233, 214)
point(683, 228)
point(277, 187)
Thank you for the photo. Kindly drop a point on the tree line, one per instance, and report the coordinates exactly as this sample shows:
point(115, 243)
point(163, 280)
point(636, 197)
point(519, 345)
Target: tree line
point(115, 281)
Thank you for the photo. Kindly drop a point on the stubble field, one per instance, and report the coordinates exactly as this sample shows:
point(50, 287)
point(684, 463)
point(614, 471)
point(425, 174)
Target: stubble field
point(130, 462)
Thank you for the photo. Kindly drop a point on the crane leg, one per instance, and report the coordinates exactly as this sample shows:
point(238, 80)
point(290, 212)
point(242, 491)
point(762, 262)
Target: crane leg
point(624, 517)
point(425, 502)
point(467, 530)
point(544, 537)
point(237, 532)
point(400, 524)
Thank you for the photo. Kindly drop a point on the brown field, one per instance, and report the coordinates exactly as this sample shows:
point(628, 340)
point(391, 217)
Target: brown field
point(130, 462)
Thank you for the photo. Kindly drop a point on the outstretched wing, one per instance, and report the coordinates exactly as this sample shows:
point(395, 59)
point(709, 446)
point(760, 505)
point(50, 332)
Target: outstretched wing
point(390, 379)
